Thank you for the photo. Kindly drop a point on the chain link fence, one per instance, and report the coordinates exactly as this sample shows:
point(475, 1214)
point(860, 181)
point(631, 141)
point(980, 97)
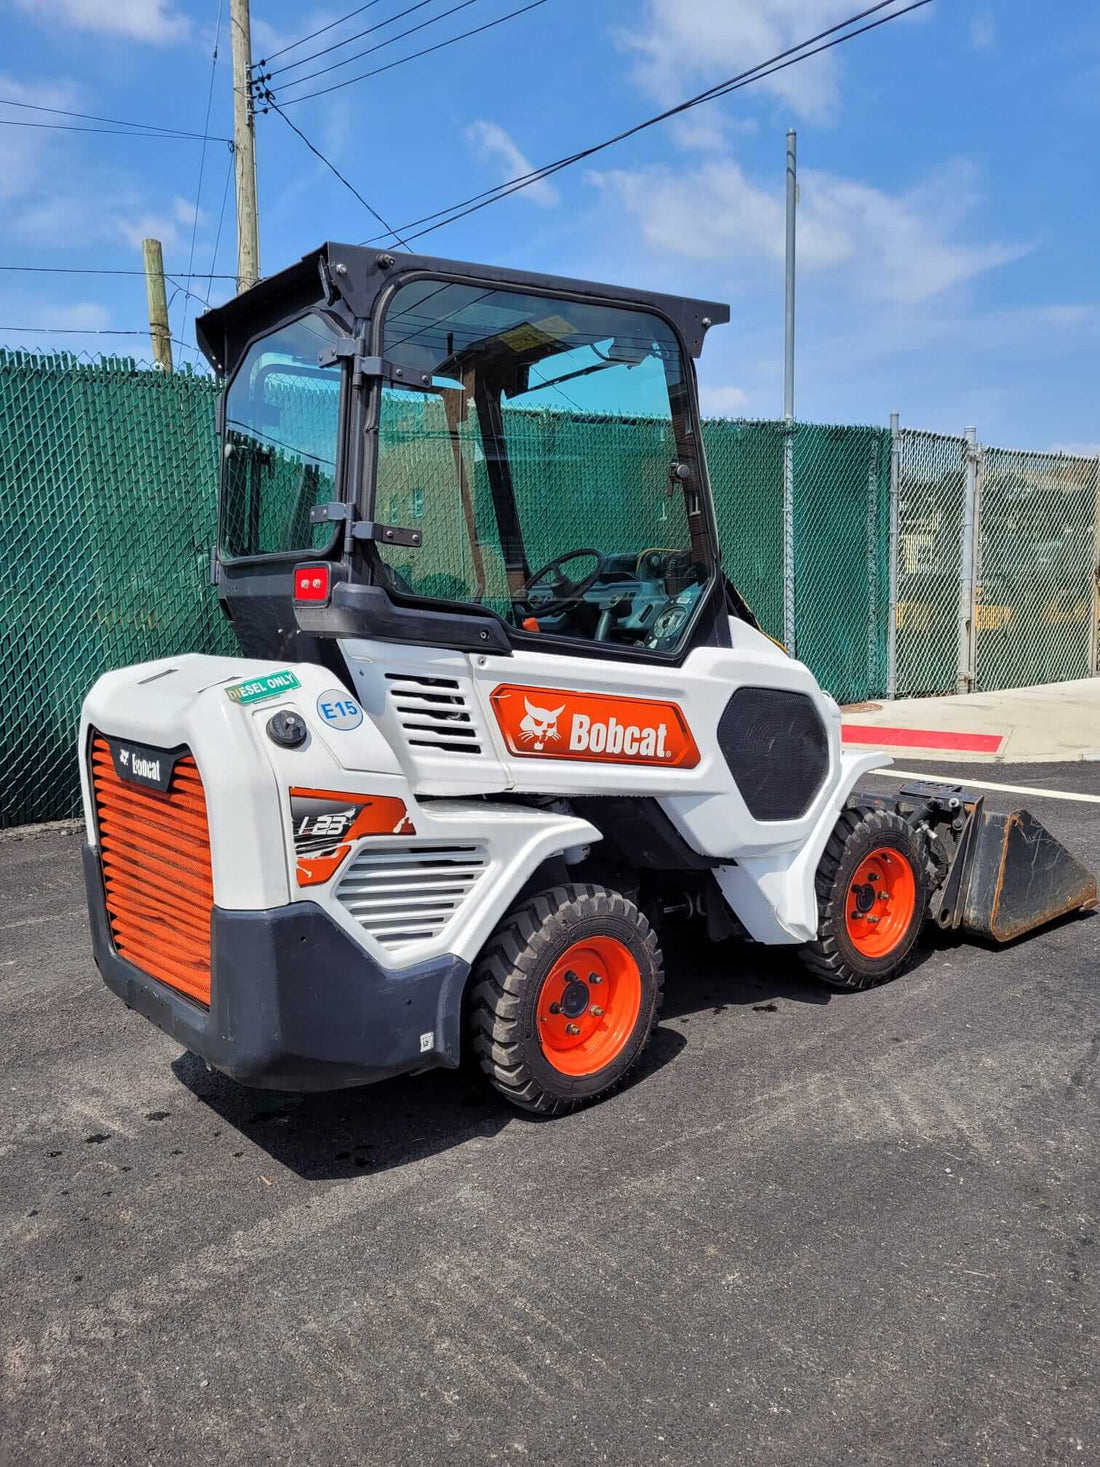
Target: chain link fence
point(108, 475)
point(893, 564)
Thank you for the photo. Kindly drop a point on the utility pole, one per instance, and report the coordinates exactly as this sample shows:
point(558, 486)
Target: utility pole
point(158, 303)
point(788, 322)
point(244, 143)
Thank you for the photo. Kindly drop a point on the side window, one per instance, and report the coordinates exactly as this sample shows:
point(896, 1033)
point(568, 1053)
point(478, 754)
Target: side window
point(282, 419)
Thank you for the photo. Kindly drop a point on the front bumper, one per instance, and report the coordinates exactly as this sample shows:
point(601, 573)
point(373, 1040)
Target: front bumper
point(294, 1003)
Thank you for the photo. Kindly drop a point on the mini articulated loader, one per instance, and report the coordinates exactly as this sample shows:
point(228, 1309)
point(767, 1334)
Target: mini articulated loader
point(498, 713)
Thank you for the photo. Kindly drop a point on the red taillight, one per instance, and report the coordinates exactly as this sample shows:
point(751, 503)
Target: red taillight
point(312, 582)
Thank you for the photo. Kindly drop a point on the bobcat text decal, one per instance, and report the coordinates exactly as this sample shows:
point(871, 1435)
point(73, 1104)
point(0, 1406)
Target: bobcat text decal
point(326, 823)
point(559, 724)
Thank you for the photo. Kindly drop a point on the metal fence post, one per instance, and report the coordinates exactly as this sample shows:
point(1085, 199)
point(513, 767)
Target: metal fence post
point(892, 625)
point(1094, 627)
point(968, 567)
point(789, 638)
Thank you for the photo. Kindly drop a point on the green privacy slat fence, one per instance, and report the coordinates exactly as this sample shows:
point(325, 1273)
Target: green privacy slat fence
point(107, 486)
point(107, 479)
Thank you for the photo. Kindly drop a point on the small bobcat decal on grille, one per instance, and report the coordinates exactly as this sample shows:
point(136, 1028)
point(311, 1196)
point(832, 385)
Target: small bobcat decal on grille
point(540, 725)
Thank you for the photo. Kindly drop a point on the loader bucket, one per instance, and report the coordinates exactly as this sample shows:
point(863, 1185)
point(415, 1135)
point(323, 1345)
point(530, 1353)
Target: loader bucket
point(1019, 877)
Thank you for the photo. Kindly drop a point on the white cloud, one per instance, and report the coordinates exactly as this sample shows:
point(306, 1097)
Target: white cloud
point(722, 402)
point(136, 20)
point(184, 212)
point(983, 30)
point(903, 247)
point(679, 43)
point(1077, 450)
point(150, 226)
point(492, 142)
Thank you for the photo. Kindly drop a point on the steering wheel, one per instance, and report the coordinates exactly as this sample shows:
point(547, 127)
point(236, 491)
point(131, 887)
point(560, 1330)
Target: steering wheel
point(563, 591)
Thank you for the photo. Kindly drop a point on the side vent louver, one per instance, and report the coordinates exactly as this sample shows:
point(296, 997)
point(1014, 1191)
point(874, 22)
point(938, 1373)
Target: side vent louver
point(406, 893)
point(434, 713)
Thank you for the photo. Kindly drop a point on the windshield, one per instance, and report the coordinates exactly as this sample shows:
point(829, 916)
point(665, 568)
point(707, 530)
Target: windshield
point(551, 467)
point(282, 419)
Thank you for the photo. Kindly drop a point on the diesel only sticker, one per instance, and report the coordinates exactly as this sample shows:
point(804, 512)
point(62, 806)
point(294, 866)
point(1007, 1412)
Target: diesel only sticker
point(257, 689)
point(326, 822)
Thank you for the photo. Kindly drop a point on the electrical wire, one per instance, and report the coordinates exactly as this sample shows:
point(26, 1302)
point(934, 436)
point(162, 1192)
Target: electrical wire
point(111, 132)
point(759, 72)
point(81, 331)
point(117, 121)
point(333, 168)
point(292, 45)
point(476, 31)
point(218, 236)
point(420, 4)
point(202, 161)
point(96, 270)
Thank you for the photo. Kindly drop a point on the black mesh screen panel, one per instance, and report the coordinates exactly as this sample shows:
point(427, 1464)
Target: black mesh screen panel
point(777, 751)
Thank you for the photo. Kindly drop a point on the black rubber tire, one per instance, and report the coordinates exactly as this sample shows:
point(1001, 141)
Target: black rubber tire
point(833, 957)
point(510, 973)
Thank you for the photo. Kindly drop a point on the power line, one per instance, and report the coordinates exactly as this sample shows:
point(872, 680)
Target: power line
point(218, 236)
point(488, 26)
point(79, 331)
point(112, 132)
point(756, 73)
point(97, 270)
point(292, 45)
point(266, 76)
point(332, 167)
point(202, 158)
point(94, 117)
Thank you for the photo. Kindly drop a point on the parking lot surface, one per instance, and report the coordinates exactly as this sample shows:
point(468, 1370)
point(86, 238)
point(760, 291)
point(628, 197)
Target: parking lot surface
point(816, 1228)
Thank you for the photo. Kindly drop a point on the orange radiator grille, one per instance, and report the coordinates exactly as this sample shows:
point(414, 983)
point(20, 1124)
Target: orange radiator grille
point(155, 850)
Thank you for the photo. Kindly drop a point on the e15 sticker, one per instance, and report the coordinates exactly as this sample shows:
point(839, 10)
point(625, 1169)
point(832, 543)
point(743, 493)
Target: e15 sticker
point(338, 709)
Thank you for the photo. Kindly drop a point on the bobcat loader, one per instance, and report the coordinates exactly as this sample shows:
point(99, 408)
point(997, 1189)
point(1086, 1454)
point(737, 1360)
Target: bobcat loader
point(498, 716)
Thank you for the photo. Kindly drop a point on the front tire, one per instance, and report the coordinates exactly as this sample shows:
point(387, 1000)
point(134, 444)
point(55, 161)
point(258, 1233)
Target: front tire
point(565, 998)
point(872, 896)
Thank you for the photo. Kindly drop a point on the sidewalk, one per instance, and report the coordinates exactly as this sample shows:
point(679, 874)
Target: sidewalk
point(1056, 722)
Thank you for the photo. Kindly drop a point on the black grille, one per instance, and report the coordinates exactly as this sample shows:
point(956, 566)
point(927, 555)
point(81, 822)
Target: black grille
point(777, 751)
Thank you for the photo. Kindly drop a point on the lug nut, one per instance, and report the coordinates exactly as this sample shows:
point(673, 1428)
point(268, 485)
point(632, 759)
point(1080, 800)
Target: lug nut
point(596, 1011)
point(595, 977)
point(572, 1028)
point(873, 876)
point(872, 919)
point(884, 896)
point(555, 1008)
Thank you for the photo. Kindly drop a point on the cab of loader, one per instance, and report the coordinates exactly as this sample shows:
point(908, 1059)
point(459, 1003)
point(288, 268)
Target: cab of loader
point(430, 451)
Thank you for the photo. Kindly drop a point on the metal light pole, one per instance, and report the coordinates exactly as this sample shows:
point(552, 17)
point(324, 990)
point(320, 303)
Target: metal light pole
point(789, 615)
point(788, 323)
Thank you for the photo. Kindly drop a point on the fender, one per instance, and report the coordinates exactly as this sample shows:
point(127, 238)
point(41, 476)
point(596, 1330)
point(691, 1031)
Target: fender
point(773, 896)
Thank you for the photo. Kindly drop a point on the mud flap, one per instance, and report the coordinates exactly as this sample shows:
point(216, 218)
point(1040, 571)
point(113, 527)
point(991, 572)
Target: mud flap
point(1012, 876)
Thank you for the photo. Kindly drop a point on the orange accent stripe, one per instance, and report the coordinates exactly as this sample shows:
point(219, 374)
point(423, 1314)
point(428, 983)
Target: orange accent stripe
point(159, 886)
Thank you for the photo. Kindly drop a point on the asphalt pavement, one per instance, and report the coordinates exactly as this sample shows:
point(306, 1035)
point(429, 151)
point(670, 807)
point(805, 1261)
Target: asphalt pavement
point(817, 1228)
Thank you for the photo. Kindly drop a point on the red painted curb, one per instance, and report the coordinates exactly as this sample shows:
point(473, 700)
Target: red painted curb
point(920, 738)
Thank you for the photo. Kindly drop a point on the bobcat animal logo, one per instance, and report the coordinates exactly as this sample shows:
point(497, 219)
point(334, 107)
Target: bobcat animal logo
point(540, 725)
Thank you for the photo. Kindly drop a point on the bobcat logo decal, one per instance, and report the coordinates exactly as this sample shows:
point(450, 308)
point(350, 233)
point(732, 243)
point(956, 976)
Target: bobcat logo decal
point(540, 725)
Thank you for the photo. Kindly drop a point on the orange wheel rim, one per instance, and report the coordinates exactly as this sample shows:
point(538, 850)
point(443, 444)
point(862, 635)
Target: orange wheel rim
point(881, 898)
point(588, 1005)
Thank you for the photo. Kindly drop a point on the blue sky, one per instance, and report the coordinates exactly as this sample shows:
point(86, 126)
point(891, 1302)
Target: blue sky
point(949, 217)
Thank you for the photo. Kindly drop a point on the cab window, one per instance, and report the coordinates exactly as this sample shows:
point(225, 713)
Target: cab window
point(549, 464)
point(282, 419)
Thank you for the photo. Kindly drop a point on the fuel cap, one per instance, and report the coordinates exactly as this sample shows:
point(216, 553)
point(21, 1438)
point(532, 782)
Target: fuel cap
point(287, 729)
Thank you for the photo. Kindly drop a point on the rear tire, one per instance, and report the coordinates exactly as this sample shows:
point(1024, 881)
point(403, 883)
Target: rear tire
point(565, 997)
point(872, 896)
